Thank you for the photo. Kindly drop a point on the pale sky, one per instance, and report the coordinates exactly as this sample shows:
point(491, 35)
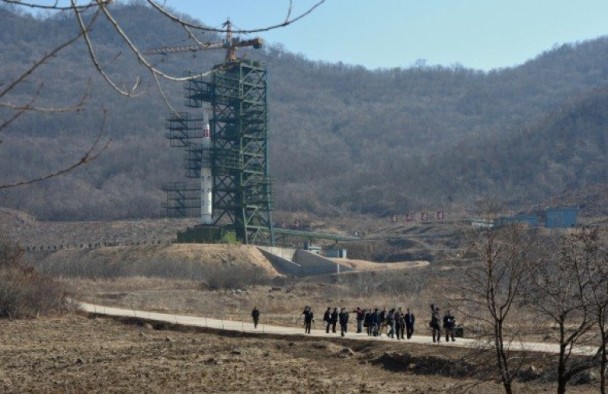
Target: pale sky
point(479, 34)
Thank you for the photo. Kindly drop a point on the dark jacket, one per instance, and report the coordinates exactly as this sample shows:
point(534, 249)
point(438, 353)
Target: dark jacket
point(375, 319)
point(409, 319)
point(308, 317)
point(334, 316)
point(360, 314)
point(435, 321)
point(343, 317)
point(448, 321)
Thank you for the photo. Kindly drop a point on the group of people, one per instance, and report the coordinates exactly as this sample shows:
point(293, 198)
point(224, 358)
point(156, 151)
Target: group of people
point(331, 318)
point(398, 324)
point(449, 325)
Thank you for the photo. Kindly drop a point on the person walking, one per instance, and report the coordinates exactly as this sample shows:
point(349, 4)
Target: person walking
point(343, 317)
point(255, 315)
point(334, 319)
point(360, 316)
point(375, 322)
point(449, 324)
point(390, 323)
point(308, 320)
point(327, 319)
point(367, 321)
point(381, 321)
point(399, 323)
point(303, 313)
point(409, 319)
point(434, 324)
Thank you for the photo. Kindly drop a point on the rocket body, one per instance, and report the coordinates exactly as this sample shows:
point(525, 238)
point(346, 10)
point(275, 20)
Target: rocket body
point(206, 178)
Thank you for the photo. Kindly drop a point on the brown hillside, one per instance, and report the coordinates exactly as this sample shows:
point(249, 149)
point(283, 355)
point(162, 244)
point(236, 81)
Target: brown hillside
point(173, 260)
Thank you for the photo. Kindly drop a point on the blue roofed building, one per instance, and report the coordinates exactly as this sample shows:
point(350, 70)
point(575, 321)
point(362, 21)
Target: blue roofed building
point(562, 217)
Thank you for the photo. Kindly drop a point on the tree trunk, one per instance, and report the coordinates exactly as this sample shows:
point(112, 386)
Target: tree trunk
point(561, 368)
point(603, 365)
point(503, 363)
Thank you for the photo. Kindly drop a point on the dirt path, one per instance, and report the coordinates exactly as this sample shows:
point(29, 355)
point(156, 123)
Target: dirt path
point(366, 265)
point(239, 326)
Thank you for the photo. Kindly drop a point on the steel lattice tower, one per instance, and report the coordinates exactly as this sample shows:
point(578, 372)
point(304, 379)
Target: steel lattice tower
point(237, 96)
point(185, 131)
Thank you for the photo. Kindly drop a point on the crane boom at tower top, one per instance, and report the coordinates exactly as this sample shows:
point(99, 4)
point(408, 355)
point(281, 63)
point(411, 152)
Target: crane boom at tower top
point(230, 43)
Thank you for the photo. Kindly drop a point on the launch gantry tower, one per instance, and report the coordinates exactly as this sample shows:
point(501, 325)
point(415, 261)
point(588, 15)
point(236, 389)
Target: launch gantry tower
point(236, 98)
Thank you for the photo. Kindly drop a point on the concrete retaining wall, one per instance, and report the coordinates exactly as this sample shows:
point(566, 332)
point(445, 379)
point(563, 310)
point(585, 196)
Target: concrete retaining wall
point(314, 264)
point(285, 253)
point(289, 261)
point(281, 259)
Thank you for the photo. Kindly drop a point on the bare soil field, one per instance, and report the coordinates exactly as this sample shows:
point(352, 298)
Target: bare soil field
point(78, 354)
point(365, 265)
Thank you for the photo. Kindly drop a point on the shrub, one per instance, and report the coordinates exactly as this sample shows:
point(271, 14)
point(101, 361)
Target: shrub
point(23, 291)
point(229, 237)
point(234, 276)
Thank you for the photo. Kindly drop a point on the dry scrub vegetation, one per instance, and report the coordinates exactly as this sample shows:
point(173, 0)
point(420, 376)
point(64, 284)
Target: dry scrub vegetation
point(23, 291)
point(79, 354)
point(211, 266)
point(226, 282)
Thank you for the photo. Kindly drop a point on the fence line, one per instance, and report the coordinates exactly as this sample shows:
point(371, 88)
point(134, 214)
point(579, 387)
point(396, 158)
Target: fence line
point(41, 247)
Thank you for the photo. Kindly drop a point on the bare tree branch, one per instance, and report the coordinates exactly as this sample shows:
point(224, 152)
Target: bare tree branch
point(91, 154)
point(51, 7)
point(238, 31)
point(140, 56)
point(289, 11)
point(30, 107)
point(37, 64)
point(20, 111)
point(163, 95)
point(101, 6)
point(93, 56)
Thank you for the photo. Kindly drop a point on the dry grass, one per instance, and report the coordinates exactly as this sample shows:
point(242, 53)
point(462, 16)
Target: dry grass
point(282, 304)
point(176, 279)
point(24, 292)
point(78, 354)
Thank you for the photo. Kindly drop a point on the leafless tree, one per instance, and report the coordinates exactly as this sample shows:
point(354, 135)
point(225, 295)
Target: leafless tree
point(558, 290)
point(494, 282)
point(588, 245)
point(11, 254)
point(86, 14)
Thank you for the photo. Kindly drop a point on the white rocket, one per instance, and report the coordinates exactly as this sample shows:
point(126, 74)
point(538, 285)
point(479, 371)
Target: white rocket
point(206, 177)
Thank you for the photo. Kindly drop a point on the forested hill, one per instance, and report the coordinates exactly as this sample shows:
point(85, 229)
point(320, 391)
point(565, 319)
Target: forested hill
point(562, 154)
point(343, 138)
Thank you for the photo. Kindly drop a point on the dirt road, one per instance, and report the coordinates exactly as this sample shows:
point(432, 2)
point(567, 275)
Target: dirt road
point(241, 326)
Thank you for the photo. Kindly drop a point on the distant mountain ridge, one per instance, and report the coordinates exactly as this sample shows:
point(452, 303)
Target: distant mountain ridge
point(343, 138)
